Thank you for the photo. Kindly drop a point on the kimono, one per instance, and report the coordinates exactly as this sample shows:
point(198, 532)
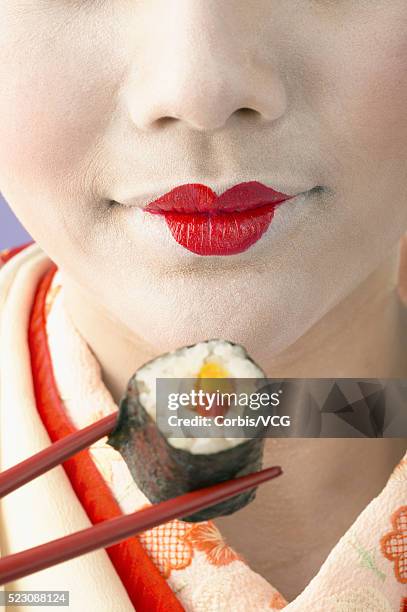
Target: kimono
point(50, 386)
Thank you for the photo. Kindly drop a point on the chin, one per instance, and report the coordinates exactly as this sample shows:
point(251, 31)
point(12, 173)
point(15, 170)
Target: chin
point(260, 339)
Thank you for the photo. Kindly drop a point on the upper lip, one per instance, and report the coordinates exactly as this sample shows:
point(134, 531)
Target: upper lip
point(198, 198)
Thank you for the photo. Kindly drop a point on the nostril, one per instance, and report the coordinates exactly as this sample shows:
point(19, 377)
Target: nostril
point(248, 114)
point(245, 110)
point(164, 121)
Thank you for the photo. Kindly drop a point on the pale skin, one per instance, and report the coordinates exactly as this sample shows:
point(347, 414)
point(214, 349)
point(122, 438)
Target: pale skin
point(296, 94)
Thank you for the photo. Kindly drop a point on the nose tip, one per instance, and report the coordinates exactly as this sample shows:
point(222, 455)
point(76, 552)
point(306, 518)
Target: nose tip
point(203, 75)
point(210, 107)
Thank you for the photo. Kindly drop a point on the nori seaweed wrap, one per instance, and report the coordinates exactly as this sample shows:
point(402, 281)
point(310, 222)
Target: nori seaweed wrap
point(163, 467)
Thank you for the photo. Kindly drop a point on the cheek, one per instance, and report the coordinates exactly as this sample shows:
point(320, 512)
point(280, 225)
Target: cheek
point(56, 99)
point(48, 123)
point(376, 109)
point(374, 125)
point(362, 106)
point(366, 93)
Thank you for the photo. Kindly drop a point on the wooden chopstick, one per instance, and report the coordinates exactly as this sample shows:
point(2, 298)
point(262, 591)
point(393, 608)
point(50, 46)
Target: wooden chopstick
point(117, 529)
point(56, 453)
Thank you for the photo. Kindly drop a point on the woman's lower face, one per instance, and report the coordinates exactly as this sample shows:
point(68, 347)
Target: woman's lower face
point(93, 113)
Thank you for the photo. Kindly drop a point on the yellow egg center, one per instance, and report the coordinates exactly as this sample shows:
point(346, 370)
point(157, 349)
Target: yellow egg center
point(211, 369)
point(213, 378)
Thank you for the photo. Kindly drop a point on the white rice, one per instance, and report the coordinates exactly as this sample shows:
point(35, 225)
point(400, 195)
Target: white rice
point(186, 363)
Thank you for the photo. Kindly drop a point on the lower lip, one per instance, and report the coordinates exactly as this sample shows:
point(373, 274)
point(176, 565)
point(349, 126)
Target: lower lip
point(220, 233)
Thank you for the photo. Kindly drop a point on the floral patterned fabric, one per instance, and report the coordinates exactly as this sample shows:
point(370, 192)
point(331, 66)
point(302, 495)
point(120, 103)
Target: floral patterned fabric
point(394, 544)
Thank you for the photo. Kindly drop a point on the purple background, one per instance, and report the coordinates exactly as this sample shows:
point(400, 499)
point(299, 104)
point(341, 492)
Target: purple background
point(11, 231)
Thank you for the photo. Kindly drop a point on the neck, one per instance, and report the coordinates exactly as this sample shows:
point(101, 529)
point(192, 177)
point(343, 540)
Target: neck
point(362, 337)
point(119, 351)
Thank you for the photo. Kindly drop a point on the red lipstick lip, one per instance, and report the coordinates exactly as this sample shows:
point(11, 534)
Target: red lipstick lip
point(207, 224)
point(197, 198)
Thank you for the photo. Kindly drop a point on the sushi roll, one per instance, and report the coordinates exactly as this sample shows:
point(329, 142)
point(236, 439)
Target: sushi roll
point(164, 466)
